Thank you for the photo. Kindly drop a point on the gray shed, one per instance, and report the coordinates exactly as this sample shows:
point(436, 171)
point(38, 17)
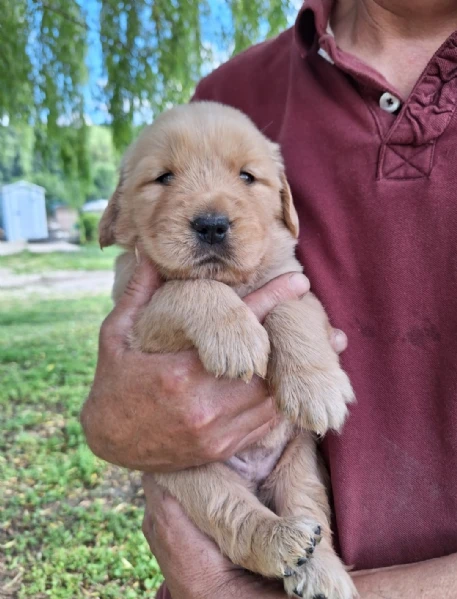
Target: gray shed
point(23, 210)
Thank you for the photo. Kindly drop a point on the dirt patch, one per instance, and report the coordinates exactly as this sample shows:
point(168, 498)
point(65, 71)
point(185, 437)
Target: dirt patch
point(10, 582)
point(8, 248)
point(60, 283)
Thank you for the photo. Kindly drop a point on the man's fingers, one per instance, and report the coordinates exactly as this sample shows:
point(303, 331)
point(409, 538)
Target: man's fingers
point(256, 434)
point(153, 493)
point(161, 508)
point(250, 426)
point(144, 283)
point(255, 415)
point(281, 289)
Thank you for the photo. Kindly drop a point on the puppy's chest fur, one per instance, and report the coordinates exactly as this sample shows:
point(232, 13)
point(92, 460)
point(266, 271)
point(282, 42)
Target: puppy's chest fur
point(255, 463)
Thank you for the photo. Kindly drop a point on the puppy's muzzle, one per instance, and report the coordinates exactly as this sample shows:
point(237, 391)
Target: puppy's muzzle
point(211, 228)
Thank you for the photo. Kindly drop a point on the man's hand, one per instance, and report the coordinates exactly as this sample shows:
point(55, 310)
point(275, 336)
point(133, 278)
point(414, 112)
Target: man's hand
point(194, 568)
point(155, 412)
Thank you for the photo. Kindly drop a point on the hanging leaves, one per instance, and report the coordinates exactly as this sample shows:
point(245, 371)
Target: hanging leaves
point(16, 91)
point(153, 52)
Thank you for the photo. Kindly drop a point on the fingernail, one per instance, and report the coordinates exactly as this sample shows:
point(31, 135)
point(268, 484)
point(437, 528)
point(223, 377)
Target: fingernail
point(137, 255)
point(298, 283)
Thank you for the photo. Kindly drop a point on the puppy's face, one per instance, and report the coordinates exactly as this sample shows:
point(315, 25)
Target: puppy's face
point(201, 190)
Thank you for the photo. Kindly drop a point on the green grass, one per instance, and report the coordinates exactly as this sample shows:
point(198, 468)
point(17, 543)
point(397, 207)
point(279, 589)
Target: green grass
point(70, 526)
point(90, 257)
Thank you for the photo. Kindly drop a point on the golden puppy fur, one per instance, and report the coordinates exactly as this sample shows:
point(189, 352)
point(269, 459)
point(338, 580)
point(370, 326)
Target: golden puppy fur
point(267, 507)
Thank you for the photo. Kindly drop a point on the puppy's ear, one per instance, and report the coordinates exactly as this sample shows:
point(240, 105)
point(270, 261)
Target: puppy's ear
point(107, 225)
point(289, 213)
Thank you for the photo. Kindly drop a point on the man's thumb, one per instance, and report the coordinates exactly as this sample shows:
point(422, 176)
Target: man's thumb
point(142, 285)
point(283, 288)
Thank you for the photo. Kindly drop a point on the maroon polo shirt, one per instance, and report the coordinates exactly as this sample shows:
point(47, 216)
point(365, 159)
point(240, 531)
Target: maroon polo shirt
point(374, 182)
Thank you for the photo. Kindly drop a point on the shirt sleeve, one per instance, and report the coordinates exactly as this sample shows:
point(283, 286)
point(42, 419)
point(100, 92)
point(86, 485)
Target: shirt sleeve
point(203, 91)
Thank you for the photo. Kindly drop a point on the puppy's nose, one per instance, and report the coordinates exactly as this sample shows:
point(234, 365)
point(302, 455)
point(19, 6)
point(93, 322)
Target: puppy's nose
point(211, 228)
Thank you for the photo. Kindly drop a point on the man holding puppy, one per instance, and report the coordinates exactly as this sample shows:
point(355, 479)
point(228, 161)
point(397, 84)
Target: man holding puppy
point(361, 96)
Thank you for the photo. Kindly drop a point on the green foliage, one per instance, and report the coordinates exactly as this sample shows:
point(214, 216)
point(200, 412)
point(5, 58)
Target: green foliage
point(16, 73)
point(60, 52)
point(154, 52)
point(104, 161)
point(71, 525)
point(67, 158)
point(57, 189)
point(252, 17)
point(88, 224)
point(16, 152)
point(58, 169)
point(43, 70)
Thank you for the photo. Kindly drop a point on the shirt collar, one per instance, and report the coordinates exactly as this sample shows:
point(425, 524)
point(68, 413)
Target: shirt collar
point(313, 34)
point(313, 24)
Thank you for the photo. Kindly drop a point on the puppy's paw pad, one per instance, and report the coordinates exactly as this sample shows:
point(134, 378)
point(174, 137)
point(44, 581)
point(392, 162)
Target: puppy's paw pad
point(323, 578)
point(298, 593)
point(287, 544)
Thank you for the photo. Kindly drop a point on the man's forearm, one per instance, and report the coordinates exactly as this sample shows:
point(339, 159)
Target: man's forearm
point(242, 585)
point(434, 579)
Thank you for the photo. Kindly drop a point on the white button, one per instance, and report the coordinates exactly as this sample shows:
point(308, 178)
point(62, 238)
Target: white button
point(389, 103)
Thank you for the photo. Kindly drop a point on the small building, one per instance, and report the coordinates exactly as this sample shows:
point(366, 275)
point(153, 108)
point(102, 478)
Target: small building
point(63, 223)
point(95, 206)
point(23, 212)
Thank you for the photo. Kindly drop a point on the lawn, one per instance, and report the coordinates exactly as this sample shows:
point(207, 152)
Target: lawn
point(70, 525)
point(89, 257)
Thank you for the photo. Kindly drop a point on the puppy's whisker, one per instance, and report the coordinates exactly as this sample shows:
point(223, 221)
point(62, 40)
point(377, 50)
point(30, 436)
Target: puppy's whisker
point(266, 127)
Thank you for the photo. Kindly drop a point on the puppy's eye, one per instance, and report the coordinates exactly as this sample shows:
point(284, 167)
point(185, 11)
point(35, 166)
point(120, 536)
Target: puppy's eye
point(165, 179)
point(247, 177)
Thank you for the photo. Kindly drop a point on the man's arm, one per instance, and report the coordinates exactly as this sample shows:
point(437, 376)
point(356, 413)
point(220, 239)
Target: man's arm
point(434, 579)
point(194, 568)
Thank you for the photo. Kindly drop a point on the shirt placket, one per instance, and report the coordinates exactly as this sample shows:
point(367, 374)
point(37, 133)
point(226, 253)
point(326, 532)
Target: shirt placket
point(408, 131)
point(408, 149)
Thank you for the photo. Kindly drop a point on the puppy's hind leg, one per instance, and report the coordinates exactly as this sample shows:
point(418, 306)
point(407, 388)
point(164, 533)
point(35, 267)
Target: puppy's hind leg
point(248, 533)
point(296, 488)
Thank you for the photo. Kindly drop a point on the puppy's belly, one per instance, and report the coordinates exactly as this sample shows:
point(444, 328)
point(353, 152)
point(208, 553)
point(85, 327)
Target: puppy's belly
point(256, 462)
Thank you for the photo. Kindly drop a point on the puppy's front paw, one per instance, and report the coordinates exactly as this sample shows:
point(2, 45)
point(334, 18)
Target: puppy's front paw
point(323, 577)
point(314, 398)
point(283, 546)
point(236, 348)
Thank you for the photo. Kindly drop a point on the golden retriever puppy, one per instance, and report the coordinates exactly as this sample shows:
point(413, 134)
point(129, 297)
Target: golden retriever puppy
point(205, 194)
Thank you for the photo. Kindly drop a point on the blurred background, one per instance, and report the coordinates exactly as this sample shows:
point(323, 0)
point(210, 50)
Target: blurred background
point(78, 79)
